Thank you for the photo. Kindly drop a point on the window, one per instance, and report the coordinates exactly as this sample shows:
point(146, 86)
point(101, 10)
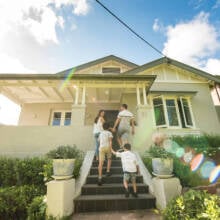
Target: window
point(61, 118)
point(111, 70)
point(159, 112)
point(172, 112)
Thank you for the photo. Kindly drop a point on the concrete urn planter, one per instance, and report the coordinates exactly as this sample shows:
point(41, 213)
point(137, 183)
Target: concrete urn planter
point(63, 168)
point(162, 166)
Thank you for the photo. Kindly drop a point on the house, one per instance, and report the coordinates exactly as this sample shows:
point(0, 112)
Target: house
point(60, 108)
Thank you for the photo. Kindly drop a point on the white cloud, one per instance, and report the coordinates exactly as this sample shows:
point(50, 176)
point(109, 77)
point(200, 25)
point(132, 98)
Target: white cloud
point(213, 66)
point(37, 16)
point(157, 25)
point(12, 65)
point(192, 42)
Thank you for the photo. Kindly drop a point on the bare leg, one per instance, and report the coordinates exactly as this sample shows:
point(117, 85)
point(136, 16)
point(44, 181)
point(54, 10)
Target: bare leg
point(134, 186)
point(125, 184)
point(100, 168)
point(119, 141)
point(109, 165)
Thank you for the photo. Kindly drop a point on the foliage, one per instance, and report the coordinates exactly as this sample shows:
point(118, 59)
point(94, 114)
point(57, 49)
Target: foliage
point(180, 170)
point(64, 152)
point(186, 176)
point(158, 152)
point(14, 201)
point(37, 209)
point(193, 205)
point(207, 144)
point(19, 172)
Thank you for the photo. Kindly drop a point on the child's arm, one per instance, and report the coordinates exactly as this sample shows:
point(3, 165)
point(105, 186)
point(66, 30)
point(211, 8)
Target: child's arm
point(114, 152)
point(138, 170)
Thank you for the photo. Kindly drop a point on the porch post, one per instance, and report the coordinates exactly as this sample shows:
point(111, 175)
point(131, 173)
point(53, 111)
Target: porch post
point(144, 95)
point(77, 95)
point(138, 96)
point(84, 95)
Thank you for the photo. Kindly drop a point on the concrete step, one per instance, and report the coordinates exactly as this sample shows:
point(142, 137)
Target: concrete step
point(115, 178)
point(114, 170)
point(113, 188)
point(93, 203)
point(114, 163)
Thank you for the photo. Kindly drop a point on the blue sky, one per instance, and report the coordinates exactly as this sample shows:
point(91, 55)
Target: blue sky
point(47, 36)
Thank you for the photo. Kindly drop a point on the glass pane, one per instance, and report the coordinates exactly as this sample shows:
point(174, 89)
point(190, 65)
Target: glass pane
point(157, 101)
point(56, 118)
point(171, 112)
point(159, 115)
point(67, 119)
point(170, 102)
point(187, 112)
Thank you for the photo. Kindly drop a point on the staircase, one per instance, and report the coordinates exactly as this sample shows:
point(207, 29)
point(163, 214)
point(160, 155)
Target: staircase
point(110, 196)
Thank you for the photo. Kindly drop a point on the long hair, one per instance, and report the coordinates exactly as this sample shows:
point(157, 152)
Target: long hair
point(97, 117)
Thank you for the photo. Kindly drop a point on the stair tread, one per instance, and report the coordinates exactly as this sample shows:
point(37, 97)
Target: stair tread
point(113, 175)
point(113, 197)
point(114, 167)
point(110, 185)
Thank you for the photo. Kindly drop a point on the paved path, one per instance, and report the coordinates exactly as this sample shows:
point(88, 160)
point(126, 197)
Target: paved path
point(122, 215)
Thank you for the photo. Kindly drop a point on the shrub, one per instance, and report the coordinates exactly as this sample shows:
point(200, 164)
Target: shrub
point(193, 205)
point(21, 171)
point(180, 170)
point(207, 144)
point(64, 152)
point(14, 201)
point(37, 209)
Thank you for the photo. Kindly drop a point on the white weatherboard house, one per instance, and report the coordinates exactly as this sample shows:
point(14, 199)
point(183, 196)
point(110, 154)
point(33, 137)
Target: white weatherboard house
point(164, 94)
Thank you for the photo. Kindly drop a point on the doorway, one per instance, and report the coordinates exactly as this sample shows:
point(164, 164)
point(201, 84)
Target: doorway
point(110, 117)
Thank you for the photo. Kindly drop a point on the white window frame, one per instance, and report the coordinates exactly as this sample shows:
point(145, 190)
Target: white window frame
point(190, 110)
point(175, 98)
point(63, 112)
point(177, 112)
point(164, 110)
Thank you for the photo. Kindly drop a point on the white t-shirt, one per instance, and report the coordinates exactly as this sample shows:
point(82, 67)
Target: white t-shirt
point(125, 117)
point(97, 128)
point(128, 160)
point(104, 138)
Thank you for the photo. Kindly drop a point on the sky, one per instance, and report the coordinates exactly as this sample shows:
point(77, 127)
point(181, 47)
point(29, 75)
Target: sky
point(48, 36)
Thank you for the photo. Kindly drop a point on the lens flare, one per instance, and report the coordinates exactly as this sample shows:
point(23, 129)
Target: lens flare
point(215, 174)
point(180, 152)
point(196, 162)
point(67, 79)
point(206, 169)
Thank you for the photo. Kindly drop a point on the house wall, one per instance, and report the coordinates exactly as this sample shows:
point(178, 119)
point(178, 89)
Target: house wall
point(39, 113)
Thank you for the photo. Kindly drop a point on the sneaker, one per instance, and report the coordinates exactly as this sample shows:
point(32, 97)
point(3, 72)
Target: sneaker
point(120, 150)
point(135, 195)
point(99, 181)
point(126, 193)
point(108, 174)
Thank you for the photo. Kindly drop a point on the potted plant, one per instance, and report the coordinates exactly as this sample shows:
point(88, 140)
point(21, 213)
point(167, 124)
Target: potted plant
point(63, 161)
point(162, 161)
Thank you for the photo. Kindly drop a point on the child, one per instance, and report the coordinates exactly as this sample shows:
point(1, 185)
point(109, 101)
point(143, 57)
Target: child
point(130, 168)
point(105, 147)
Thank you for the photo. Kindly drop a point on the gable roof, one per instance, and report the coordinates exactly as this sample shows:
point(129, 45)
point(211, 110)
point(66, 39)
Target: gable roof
point(166, 60)
point(98, 61)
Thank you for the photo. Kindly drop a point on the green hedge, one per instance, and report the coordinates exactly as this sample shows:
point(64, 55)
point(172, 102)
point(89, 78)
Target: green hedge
point(15, 200)
point(180, 170)
point(18, 172)
point(207, 144)
point(193, 205)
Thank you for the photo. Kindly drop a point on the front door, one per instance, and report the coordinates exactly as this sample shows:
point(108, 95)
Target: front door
point(111, 116)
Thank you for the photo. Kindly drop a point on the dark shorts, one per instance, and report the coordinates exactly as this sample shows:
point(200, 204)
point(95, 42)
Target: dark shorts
point(130, 176)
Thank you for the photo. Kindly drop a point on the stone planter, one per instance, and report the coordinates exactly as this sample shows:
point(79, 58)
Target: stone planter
point(63, 168)
point(162, 166)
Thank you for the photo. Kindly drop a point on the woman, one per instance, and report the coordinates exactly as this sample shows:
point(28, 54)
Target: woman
point(98, 127)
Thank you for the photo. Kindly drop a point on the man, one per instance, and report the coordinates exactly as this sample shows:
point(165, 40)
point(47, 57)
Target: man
point(124, 120)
